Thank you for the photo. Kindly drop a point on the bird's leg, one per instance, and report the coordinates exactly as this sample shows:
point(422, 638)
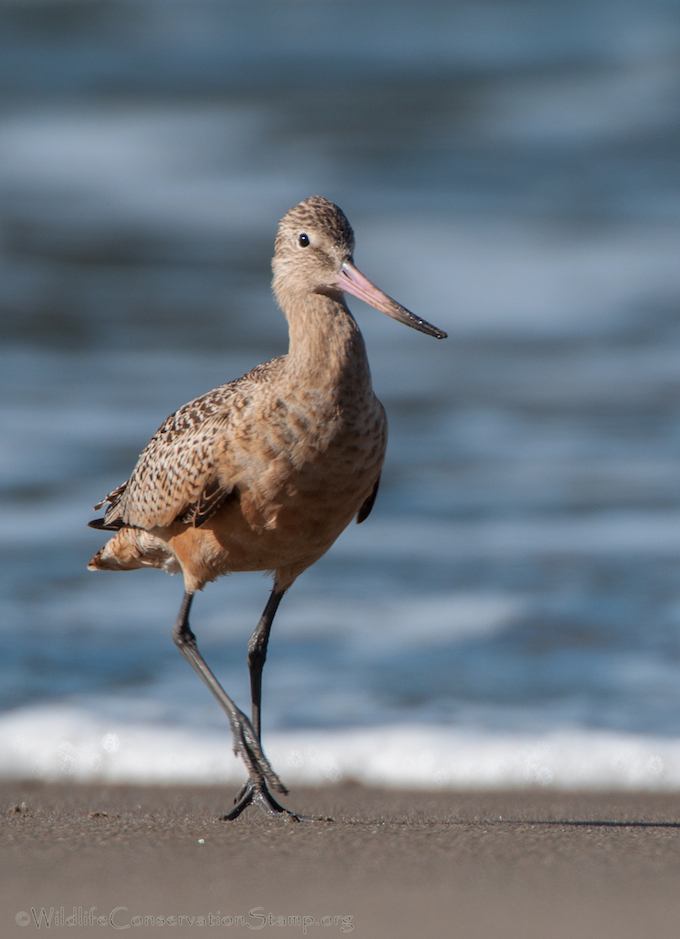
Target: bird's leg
point(246, 740)
point(254, 790)
point(257, 654)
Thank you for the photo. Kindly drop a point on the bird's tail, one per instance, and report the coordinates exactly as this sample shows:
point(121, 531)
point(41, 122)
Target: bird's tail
point(132, 548)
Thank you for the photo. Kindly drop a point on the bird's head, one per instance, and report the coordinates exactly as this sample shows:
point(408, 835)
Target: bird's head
point(314, 255)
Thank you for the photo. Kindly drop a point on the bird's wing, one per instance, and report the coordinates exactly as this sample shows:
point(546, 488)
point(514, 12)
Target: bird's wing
point(365, 509)
point(177, 475)
point(183, 473)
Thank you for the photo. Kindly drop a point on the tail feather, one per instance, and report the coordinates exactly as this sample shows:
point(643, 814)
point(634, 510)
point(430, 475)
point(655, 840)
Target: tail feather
point(131, 549)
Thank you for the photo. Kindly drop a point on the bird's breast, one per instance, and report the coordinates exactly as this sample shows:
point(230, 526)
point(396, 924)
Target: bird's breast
point(305, 474)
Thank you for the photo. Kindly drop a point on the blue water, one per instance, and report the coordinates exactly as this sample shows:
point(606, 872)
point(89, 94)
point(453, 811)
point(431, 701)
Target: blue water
point(511, 171)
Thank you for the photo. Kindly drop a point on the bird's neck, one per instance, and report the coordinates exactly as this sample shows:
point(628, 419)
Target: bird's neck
point(327, 350)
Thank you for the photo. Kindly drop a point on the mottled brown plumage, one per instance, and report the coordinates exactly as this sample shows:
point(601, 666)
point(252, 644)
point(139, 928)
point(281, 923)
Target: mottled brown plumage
point(265, 472)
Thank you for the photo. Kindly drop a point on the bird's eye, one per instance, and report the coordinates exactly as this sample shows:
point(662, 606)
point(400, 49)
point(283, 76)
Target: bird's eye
point(303, 240)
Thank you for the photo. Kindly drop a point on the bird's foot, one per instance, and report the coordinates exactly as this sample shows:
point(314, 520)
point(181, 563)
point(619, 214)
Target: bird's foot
point(261, 776)
point(247, 746)
point(255, 792)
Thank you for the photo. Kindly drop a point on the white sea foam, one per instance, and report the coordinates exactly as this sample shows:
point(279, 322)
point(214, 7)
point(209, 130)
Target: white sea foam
point(66, 743)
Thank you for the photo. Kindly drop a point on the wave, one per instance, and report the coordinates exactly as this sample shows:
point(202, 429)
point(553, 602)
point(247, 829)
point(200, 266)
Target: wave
point(66, 743)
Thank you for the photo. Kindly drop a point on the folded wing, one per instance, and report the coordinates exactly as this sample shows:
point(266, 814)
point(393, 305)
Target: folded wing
point(183, 473)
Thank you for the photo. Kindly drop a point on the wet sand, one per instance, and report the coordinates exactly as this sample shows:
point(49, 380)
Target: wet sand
point(392, 864)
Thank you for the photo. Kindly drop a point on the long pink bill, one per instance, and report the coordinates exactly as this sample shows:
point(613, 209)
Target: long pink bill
point(351, 280)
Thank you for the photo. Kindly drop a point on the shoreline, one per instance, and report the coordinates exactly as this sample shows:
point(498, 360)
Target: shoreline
point(398, 863)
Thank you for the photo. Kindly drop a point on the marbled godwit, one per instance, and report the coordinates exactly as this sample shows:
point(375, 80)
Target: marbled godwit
point(264, 473)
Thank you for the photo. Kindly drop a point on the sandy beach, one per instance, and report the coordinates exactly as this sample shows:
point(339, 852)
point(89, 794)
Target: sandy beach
point(391, 864)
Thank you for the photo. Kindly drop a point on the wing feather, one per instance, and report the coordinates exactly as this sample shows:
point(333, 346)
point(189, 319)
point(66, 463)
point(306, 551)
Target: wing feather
point(183, 472)
point(365, 509)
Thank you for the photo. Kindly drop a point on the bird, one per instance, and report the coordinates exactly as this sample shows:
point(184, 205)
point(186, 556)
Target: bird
point(264, 472)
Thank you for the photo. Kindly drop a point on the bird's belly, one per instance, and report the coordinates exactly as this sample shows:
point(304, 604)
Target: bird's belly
point(284, 516)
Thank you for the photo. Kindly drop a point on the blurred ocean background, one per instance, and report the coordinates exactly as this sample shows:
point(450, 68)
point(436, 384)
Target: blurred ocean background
point(510, 613)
